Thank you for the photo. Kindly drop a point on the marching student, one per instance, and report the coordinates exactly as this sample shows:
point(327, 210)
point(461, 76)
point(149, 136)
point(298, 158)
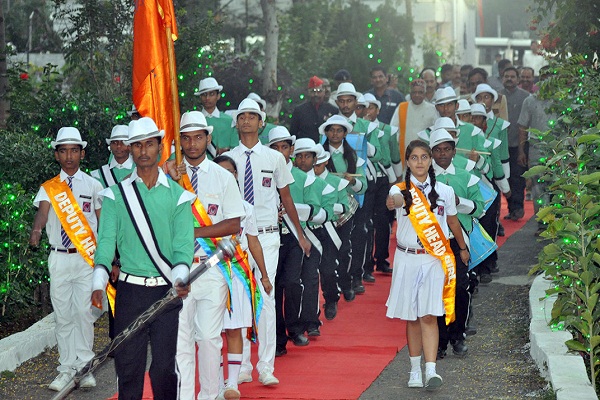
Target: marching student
point(69, 207)
point(246, 303)
point(297, 284)
point(305, 156)
point(225, 136)
point(265, 184)
point(149, 219)
point(217, 212)
point(424, 274)
point(469, 205)
point(331, 275)
point(345, 162)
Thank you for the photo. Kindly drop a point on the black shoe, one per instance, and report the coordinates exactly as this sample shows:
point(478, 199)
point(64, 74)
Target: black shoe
point(494, 268)
point(369, 278)
point(441, 353)
point(485, 278)
point(501, 230)
point(384, 269)
point(459, 348)
point(509, 215)
point(470, 330)
point(358, 288)
point(517, 214)
point(349, 295)
point(314, 332)
point(300, 340)
point(280, 351)
point(330, 310)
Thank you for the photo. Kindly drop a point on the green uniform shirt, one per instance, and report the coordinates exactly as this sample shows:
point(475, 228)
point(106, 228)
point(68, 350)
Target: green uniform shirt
point(303, 194)
point(169, 209)
point(341, 167)
point(224, 135)
point(497, 128)
point(340, 191)
point(327, 196)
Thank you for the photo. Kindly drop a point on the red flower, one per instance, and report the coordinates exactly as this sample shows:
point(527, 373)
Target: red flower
point(24, 76)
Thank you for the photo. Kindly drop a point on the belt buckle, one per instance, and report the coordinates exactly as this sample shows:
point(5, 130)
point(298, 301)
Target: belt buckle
point(285, 230)
point(151, 282)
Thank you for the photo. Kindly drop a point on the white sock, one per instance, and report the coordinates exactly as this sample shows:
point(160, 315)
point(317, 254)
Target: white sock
point(415, 363)
point(234, 363)
point(429, 368)
point(221, 377)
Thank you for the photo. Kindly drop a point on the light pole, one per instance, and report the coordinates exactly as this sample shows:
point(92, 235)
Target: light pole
point(30, 37)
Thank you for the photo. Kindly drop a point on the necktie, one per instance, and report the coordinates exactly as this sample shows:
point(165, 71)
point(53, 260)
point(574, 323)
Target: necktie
point(194, 178)
point(423, 186)
point(248, 181)
point(194, 182)
point(64, 238)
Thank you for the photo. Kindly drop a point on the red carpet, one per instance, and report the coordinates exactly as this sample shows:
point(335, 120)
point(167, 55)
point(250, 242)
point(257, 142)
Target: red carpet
point(352, 350)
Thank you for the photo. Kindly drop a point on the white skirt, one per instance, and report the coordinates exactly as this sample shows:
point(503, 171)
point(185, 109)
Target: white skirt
point(241, 316)
point(417, 287)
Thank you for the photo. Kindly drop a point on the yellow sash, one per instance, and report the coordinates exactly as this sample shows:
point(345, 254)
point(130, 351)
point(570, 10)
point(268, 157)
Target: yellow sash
point(435, 243)
point(71, 218)
point(75, 224)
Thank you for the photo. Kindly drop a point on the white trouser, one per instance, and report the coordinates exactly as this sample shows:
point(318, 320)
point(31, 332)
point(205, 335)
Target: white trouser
point(267, 336)
point(71, 294)
point(201, 322)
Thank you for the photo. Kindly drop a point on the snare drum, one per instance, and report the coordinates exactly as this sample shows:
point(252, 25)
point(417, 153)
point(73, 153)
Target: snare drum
point(345, 217)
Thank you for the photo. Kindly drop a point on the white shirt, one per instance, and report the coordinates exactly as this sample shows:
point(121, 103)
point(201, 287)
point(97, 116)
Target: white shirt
point(217, 191)
point(418, 118)
point(269, 173)
point(86, 191)
point(405, 233)
point(215, 114)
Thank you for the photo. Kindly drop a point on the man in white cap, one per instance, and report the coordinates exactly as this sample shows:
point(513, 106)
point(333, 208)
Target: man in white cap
point(201, 318)
point(121, 163)
point(224, 135)
point(149, 219)
point(469, 204)
point(463, 111)
point(69, 208)
point(265, 179)
point(263, 133)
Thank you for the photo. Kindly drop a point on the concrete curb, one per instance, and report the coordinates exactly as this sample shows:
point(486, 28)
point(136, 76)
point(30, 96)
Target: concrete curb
point(20, 347)
point(565, 371)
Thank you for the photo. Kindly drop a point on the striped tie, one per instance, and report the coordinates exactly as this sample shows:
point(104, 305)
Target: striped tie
point(194, 178)
point(194, 182)
point(248, 181)
point(64, 238)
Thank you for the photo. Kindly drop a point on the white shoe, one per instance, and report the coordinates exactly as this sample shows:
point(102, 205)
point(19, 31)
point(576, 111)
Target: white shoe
point(267, 378)
point(244, 377)
point(60, 381)
point(87, 381)
point(433, 381)
point(416, 379)
point(231, 393)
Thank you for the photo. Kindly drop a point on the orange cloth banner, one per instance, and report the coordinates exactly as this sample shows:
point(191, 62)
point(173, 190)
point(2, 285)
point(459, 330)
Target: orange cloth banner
point(151, 81)
point(435, 243)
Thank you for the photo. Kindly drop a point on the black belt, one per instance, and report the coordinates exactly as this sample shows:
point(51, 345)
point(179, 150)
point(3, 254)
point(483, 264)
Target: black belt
point(71, 250)
point(409, 250)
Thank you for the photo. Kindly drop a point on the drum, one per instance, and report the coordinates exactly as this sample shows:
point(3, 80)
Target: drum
point(488, 193)
point(345, 217)
point(482, 244)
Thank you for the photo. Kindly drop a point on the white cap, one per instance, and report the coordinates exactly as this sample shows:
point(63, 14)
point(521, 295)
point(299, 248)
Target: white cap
point(346, 89)
point(257, 99)
point(336, 120)
point(119, 132)
point(322, 154)
point(279, 134)
point(68, 135)
point(304, 145)
point(484, 88)
point(361, 100)
point(194, 121)
point(440, 136)
point(478, 109)
point(142, 129)
point(208, 85)
point(133, 110)
point(463, 107)
point(370, 99)
point(248, 105)
point(444, 95)
point(444, 123)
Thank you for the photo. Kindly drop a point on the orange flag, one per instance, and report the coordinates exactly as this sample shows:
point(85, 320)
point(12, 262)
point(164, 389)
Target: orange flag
point(152, 83)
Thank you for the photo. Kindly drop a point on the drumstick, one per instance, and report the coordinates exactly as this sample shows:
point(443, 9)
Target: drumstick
point(476, 151)
point(344, 174)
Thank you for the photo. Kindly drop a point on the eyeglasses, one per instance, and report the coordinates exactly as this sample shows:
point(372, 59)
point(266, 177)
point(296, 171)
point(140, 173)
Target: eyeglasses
point(315, 90)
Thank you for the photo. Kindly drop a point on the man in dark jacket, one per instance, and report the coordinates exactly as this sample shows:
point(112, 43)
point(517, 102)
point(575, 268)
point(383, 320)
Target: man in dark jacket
point(308, 116)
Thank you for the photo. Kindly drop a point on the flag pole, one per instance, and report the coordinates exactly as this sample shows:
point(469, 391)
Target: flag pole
point(174, 94)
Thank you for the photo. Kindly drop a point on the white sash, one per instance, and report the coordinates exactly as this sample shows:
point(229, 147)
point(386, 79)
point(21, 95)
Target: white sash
point(335, 238)
point(307, 232)
point(108, 176)
point(143, 227)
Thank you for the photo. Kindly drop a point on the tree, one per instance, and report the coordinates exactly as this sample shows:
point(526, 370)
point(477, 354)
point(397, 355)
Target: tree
point(20, 14)
point(269, 73)
point(573, 27)
point(4, 103)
